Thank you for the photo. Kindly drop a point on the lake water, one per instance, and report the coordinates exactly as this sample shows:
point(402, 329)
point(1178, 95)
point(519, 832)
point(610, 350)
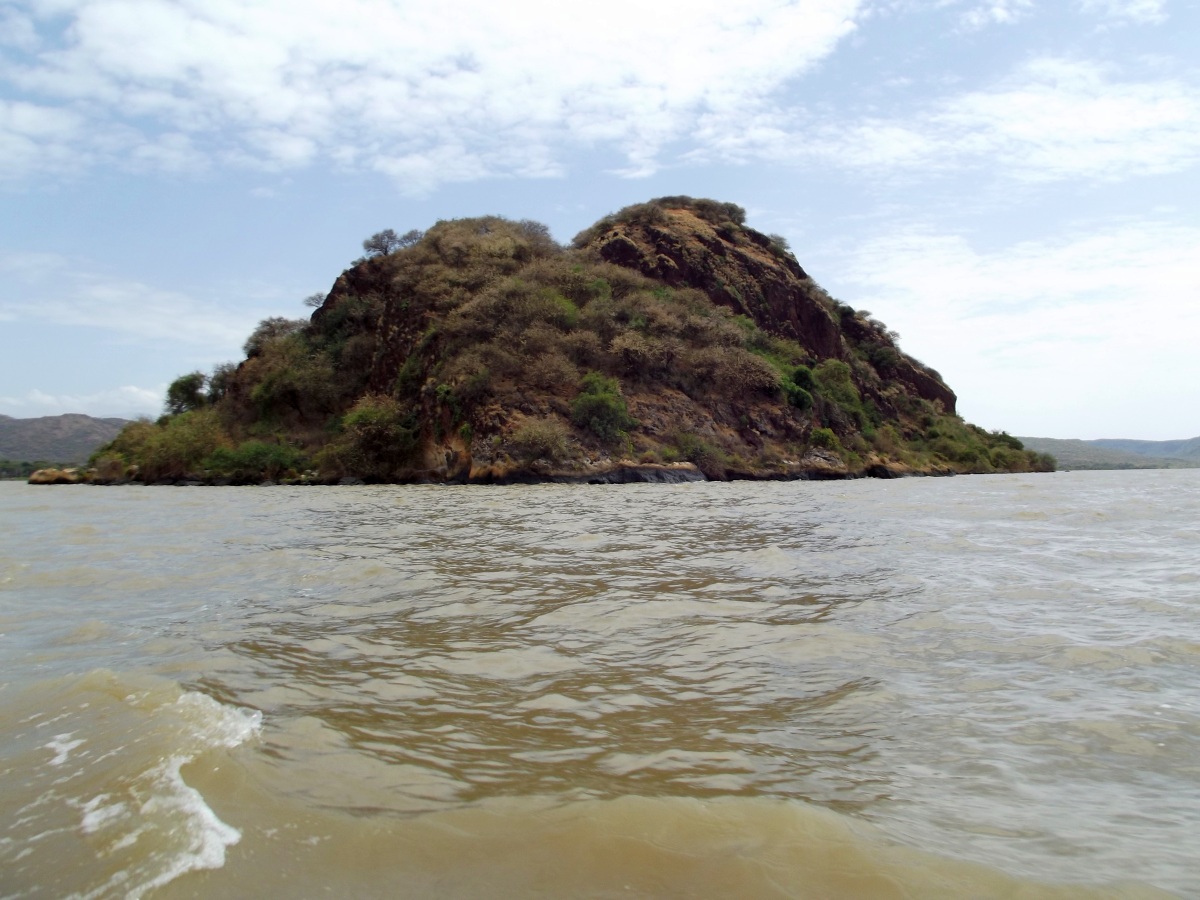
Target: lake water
point(980, 686)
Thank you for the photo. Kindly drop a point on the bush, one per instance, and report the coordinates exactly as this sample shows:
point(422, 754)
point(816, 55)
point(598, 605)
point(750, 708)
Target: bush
point(1003, 437)
point(601, 408)
point(884, 358)
point(825, 439)
point(541, 439)
point(255, 461)
point(802, 377)
point(797, 396)
point(734, 370)
point(552, 372)
point(172, 449)
point(709, 459)
point(833, 378)
point(379, 439)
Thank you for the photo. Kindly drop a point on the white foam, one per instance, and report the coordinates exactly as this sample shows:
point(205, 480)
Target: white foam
point(97, 814)
point(62, 745)
point(175, 818)
point(215, 724)
point(207, 836)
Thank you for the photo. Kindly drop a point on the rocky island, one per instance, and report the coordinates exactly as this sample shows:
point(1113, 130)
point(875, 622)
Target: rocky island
point(668, 342)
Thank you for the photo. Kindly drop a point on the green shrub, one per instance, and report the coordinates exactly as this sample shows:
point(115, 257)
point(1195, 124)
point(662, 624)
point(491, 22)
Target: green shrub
point(802, 376)
point(825, 439)
point(1003, 437)
point(379, 440)
point(709, 458)
point(255, 461)
point(601, 408)
point(797, 396)
point(833, 379)
point(884, 358)
point(174, 449)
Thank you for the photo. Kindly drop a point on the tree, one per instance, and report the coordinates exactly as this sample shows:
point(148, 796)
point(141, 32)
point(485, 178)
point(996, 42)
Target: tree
point(186, 393)
point(219, 381)
point(387, 241)
point(271, 329)
point(314, 300)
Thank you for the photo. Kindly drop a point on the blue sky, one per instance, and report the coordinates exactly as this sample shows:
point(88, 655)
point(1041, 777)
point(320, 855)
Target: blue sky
point(1011, 185)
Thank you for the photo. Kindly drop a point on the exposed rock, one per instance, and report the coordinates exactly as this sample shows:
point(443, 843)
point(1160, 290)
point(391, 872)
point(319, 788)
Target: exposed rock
point(57, 476)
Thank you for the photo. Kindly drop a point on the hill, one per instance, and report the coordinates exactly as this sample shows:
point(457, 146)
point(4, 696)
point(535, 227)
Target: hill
point(669, 341)
point(1188, 449)
point(1116, 454)
point(70, 438)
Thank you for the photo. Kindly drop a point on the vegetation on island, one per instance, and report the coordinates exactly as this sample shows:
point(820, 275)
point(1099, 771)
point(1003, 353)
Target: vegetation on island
point(669, 337)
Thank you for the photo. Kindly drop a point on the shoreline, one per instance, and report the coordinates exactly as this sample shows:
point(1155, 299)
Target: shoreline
point(619, 473)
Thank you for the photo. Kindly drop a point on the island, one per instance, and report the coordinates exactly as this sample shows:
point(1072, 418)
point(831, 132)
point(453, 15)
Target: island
point(668, 342)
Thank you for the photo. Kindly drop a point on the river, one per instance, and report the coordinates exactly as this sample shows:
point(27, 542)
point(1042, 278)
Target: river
point(981, 686)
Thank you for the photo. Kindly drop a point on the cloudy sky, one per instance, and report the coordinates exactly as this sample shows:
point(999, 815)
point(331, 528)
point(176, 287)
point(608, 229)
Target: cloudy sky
point(1012, 185)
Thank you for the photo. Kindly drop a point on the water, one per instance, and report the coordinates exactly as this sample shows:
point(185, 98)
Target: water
point(967, 687)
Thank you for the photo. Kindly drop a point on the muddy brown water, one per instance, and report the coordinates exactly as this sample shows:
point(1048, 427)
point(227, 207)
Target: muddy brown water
point(981, 686)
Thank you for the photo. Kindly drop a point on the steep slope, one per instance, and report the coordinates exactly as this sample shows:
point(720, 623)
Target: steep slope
point(671, 341)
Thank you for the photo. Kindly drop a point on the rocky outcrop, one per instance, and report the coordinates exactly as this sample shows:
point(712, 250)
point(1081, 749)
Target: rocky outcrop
point(753, 275)
point(737, 267)
point(58, 476)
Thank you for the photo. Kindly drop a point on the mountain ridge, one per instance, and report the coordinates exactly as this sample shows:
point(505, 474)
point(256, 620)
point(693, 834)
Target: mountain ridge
point(1113, 453)
point(67, 438)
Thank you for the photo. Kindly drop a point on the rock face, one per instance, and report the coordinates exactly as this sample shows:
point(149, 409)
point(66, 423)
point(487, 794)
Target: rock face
point(754, 276)
point(737, 267)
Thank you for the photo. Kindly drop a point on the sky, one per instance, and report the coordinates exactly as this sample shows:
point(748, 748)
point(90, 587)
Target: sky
point(1012, 185)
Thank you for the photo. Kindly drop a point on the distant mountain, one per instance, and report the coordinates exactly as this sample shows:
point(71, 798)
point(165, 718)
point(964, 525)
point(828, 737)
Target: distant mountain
point(1186, 449)
point(1117, 454)
point(69, 438)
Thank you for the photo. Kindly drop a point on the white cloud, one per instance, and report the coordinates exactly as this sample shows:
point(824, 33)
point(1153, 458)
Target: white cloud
point(1060, 119)
point(1140, 11)
point(995, 12)
point(1091, 335)
point(52, 289)
point(424, 92)
point(1053, 120)
point(38, 137)
point(125, 402)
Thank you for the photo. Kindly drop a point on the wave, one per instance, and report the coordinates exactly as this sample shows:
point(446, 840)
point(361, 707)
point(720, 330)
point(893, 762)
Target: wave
point(103, 804)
